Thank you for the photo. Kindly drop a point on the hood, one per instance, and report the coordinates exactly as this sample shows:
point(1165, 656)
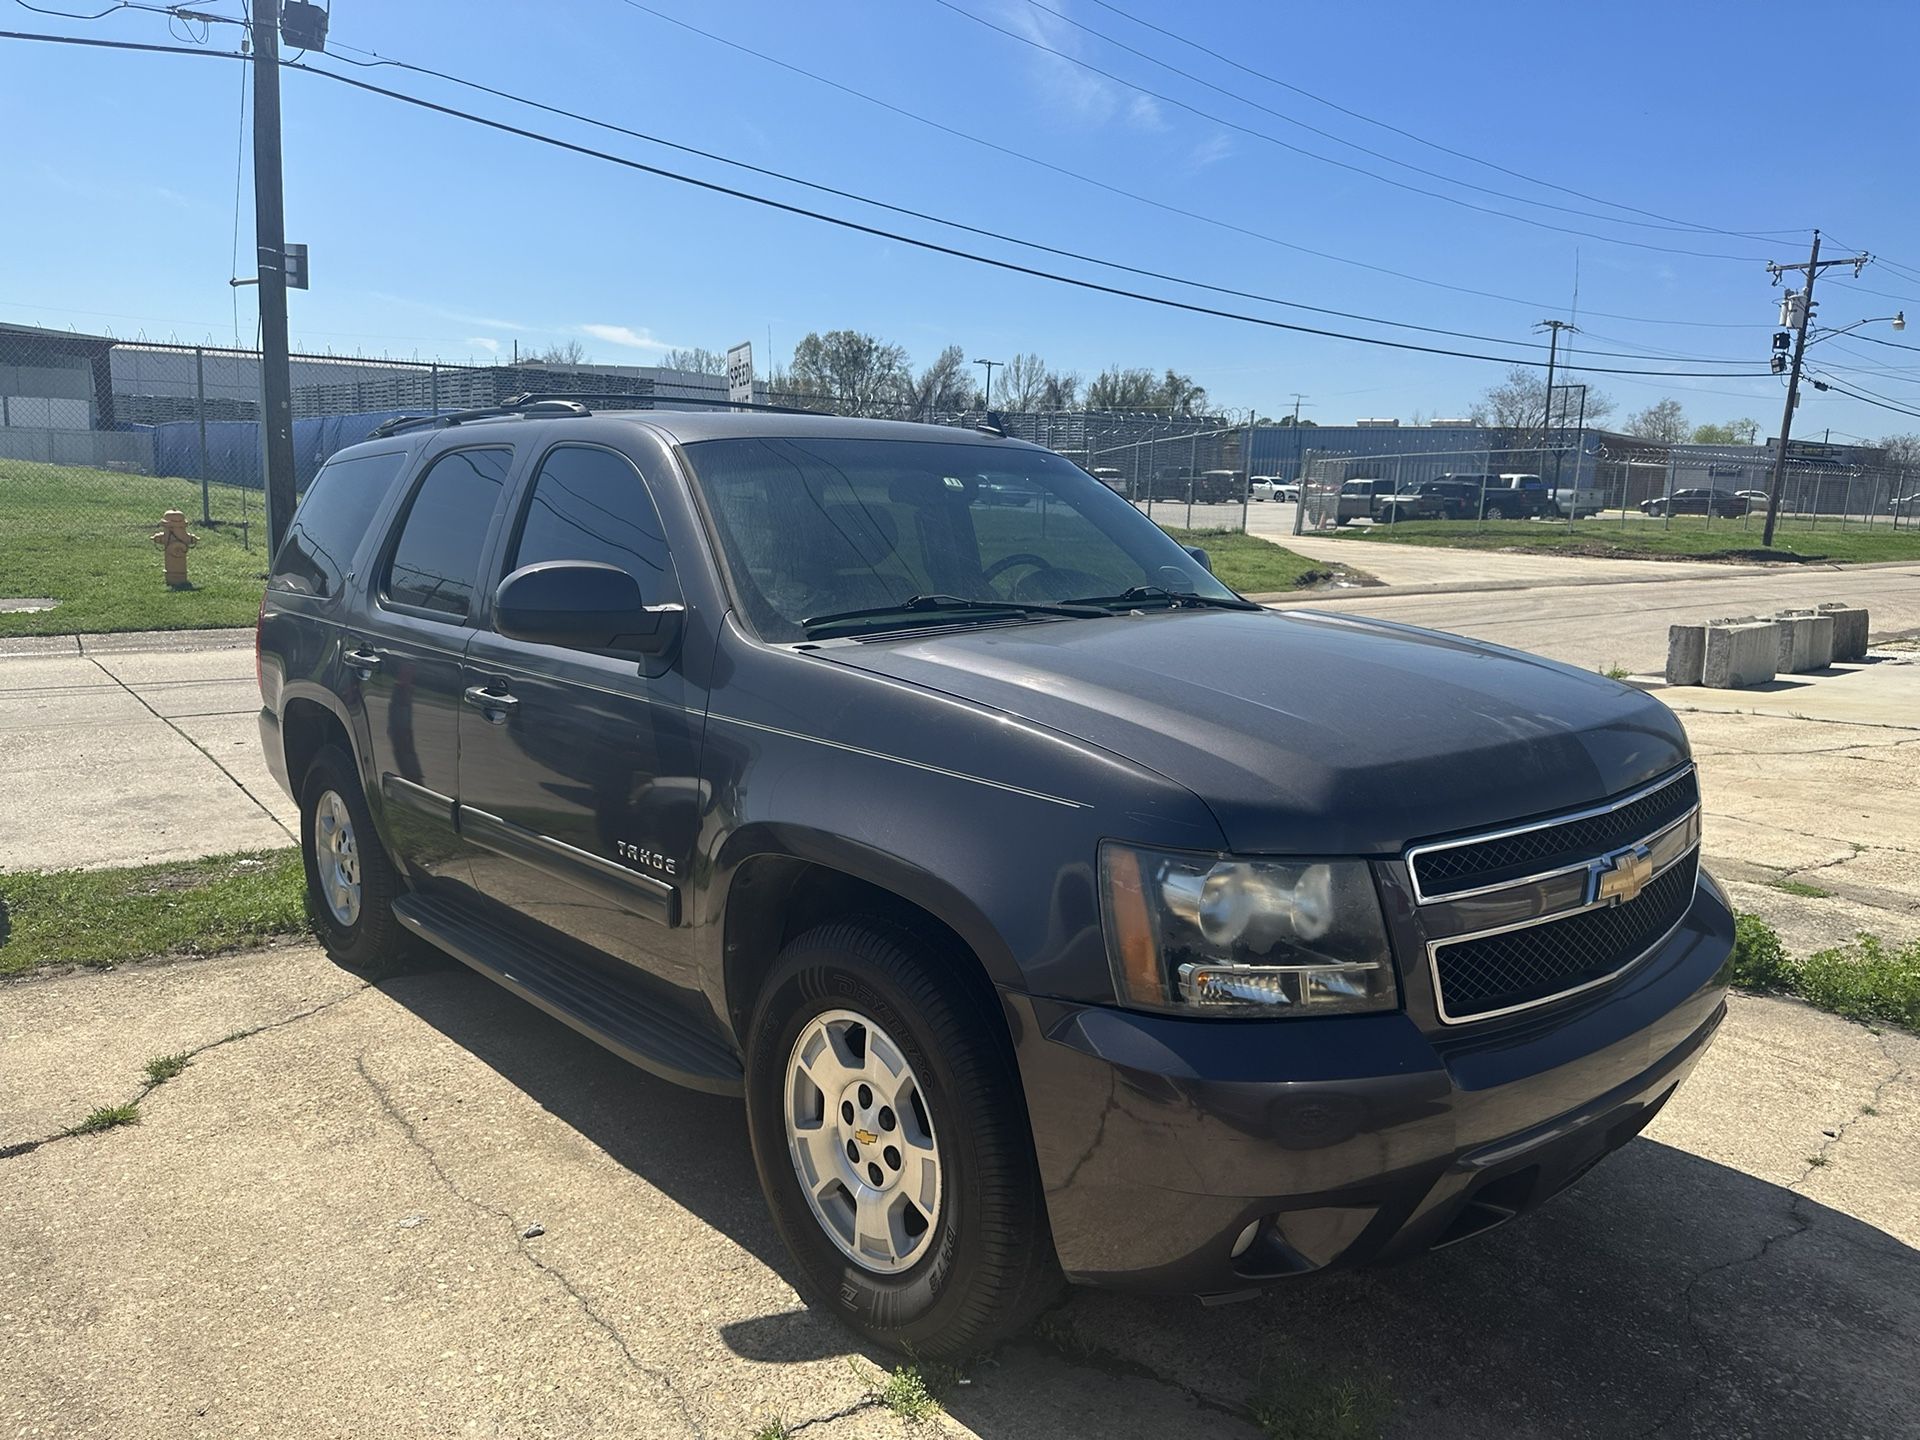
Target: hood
point(1305, 731)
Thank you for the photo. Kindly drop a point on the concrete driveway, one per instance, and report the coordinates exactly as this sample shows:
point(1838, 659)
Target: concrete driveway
point(325, 1227)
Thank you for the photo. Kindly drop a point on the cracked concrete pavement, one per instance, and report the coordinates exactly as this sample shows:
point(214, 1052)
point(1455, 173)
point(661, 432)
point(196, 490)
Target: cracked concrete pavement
point(319, 1228)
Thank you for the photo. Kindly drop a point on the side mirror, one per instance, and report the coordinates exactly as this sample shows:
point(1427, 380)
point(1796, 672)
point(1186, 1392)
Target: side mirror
point(583, 605)
point(1201, 556)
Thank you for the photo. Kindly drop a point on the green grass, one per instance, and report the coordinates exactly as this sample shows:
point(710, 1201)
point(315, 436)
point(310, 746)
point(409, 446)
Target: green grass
point(1294, 1403)
point(163, 1068)
point(107, 1117)
point(1690, 538)
point(905, 1392)
point(1863, 980)
point(102, 917)
point(1800, 888)
point(1254, 566)
point(82, 537)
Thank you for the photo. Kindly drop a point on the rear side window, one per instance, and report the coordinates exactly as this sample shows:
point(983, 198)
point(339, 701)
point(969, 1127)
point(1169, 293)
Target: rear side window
point(592, 504)
point(436, 562)
point(327, 528)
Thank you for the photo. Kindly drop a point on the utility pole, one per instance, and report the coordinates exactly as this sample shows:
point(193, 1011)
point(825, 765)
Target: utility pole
point(989, 364)
point(1801, 317)
point(270, 239)
point(1553, 329)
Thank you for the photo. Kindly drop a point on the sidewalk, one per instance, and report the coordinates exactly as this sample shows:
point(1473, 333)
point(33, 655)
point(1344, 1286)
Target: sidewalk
point(131, 749)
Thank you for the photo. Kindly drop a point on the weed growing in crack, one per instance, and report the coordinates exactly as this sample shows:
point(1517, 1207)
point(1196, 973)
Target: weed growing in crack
point(1295, 1403)
point(1816, 1161)
point(774, 1429)
point(163, 1068)
point(107, 1117)
point(1869, 1109)
point(905, 1393)
point(1615, 671)
point(1867, 980)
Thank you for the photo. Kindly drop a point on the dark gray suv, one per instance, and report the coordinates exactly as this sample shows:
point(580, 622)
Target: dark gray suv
point(1056, 912)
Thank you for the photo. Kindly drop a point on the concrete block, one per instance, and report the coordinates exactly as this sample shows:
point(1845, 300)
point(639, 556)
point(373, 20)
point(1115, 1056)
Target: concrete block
point(1820, 652)
point(1739, 655)
point(1686, 653)
point(1819, 645)
point(1793, 635)
point(1849, 630)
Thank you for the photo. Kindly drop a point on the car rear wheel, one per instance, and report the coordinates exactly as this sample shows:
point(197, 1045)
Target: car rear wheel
point(351, 884)
point(1494, 512)
point(890, 1136)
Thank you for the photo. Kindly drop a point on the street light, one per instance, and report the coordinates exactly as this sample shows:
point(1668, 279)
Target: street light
point(990, 364)
point(1898, 320)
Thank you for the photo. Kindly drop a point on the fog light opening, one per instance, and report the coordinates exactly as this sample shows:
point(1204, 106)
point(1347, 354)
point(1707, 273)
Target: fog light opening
point(1245, 1242)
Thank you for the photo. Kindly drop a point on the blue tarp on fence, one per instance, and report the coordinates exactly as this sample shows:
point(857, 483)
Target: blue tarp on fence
point(233, 446)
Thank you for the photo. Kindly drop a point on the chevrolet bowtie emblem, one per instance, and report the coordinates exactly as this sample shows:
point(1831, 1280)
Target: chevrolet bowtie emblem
point(865, 1137)
point(1622, 875)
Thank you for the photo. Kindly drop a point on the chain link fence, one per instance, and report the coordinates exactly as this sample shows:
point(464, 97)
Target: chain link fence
point(1603, 490)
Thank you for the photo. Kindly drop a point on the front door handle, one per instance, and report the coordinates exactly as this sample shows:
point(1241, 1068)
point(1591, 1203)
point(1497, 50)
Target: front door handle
point(494, 703)
point(361, 660)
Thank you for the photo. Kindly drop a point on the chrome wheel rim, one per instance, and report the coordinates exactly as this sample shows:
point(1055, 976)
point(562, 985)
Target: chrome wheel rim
point(861, 1136)
point(338, 854)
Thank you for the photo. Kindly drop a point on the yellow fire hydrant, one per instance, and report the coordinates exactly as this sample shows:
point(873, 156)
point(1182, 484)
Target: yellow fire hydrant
point(174, 537)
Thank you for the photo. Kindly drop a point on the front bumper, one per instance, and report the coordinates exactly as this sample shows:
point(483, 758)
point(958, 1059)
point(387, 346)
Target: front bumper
point(1347, 1140)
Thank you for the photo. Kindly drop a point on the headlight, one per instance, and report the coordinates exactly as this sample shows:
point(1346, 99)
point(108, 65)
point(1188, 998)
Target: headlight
point(1206, 934)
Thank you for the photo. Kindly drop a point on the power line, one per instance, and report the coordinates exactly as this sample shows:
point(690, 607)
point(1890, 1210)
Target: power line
point(1879, 402)
point(516, 97)
point(1271, 139)
point(1148, 200)
point(1421, 139)
point(1281, 115)
point(841, 222)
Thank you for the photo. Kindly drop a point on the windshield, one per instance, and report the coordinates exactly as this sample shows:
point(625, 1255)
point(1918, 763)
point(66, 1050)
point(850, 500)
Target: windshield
point(820, 527)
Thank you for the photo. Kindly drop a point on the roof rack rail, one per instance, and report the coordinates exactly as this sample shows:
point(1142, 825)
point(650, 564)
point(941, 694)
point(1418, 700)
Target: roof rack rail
point(659, 401)
point(515, 405)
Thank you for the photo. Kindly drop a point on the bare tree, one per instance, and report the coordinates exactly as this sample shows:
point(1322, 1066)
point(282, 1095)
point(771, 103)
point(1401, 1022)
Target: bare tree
point(943, 385)
point(1118, 389)
point(1519, 402)
point(1023, 381)
point(1062, 390)
point(859, 373)
point(1663, 422)
point(699, 360)
point(571, 353)
point(1902, 450)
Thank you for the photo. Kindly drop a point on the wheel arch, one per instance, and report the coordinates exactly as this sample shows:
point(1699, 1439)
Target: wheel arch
point(786, 883)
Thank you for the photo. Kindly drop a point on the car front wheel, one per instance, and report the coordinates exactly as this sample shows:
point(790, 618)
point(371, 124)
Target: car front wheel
point(1494, 512)
point(890, 1136)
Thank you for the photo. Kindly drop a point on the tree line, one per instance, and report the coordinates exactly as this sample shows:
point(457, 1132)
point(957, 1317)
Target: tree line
point(853, 372)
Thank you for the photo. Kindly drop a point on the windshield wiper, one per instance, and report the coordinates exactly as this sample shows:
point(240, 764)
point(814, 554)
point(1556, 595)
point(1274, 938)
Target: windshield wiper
point(1172, 597)
point(914, 604)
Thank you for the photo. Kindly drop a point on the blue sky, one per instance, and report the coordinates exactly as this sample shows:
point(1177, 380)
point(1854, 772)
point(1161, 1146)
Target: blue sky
point(434, 238)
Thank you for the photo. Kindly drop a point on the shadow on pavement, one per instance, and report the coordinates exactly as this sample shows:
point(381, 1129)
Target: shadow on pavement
point(1664, 1294)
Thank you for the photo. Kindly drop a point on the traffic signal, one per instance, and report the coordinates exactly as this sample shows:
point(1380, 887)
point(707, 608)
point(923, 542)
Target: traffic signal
point(296, 267)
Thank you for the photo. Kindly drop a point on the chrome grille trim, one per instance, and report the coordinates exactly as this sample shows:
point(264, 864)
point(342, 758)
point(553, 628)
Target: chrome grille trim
point(1414, 852)
point(1434, 947)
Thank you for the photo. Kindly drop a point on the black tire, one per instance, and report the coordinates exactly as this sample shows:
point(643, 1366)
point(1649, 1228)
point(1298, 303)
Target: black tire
point(1494, 512)
point(373, 942)
point(986, 1266)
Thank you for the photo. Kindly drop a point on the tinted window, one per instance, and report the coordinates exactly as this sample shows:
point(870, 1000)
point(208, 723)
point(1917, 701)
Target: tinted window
point(816, 526)
point(328, 526)
point(590, 504)
point(437, 561)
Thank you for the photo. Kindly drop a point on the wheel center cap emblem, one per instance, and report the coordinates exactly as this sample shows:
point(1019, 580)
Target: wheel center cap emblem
point(865, 1137)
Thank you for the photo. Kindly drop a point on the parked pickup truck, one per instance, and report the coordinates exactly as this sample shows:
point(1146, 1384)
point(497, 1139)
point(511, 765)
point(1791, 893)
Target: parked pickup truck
point(1055, 912)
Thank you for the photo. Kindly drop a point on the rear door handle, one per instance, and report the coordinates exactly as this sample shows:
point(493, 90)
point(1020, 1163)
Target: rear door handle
point(494, 703)
point(363, 660)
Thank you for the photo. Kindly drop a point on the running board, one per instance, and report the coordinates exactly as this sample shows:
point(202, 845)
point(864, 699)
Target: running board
point(593, 1000)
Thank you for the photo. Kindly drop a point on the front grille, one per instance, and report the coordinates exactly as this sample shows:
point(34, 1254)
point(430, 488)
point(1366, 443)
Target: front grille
point(1473, 864)
point(1523, 967)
